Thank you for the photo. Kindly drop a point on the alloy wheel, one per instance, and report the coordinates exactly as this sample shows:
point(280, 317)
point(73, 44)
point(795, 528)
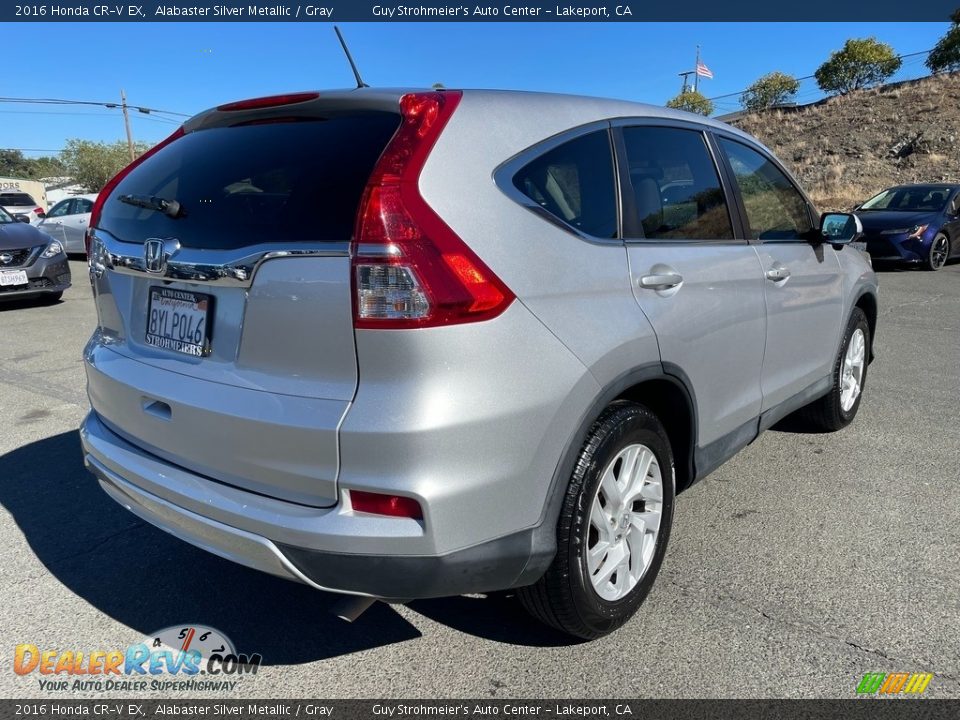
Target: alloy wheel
point(851, 378)
point(938, 252)
point(624, 522)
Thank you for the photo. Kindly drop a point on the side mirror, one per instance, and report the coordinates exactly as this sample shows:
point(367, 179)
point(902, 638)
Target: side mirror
point(21, 218)
point(840, 228)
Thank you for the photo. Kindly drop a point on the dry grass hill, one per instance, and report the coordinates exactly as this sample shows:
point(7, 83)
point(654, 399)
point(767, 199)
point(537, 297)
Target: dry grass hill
point(845, 149)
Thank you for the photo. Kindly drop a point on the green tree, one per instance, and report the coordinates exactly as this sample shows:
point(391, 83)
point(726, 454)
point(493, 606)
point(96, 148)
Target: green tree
point(860, 64)
point(92, 164)
point(772, 89)
point(945, 56)
point(14, 164)
point(691, 101)
point(45, 167)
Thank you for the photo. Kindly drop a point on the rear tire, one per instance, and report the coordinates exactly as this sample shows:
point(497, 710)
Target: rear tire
point(624, 481)
point(836, 409)
point(939, 252)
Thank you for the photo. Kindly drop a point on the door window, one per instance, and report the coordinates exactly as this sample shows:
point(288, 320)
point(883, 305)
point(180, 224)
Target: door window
point(574, 182)
point(676, 186)
point(60, 209)
point(775, 208)
point(82, 206)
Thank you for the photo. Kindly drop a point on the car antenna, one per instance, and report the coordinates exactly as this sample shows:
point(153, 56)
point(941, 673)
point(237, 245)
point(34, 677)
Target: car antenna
point(353, 65)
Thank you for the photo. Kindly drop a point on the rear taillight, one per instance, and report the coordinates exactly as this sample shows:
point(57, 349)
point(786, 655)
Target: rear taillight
point(410, 269)
point(115, 180)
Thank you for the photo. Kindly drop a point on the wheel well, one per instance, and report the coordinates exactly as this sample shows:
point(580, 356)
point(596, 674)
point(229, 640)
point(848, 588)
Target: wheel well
point(868, 303)
point(671, 403)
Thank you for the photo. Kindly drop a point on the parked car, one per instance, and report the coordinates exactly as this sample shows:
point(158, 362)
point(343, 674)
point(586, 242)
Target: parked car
point(917, 224)
point(67, 222)
point(31, 263)
point(413, 344)
point(21, 204)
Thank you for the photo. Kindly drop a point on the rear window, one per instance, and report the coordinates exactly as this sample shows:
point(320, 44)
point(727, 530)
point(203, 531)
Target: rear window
point(273, 182)
point(16, 199)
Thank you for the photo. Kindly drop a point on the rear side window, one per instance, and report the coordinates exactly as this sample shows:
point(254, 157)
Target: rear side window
point(775, 208)
point(269, 182)
point(574, 182)
point(675, 184)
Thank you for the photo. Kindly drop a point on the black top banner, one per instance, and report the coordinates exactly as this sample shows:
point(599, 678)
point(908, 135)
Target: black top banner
point(484, 11)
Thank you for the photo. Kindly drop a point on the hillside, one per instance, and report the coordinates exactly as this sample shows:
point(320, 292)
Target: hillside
point(845, 149)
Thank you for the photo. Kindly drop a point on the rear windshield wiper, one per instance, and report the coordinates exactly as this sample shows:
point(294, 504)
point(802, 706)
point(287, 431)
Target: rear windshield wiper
point(167, 207)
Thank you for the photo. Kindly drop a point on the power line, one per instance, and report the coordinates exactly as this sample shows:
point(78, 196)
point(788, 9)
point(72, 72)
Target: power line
point(158, 119)
point(810, 77)
point(111, 105)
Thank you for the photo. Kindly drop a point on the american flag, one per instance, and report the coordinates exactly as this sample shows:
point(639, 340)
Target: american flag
point(703, 70)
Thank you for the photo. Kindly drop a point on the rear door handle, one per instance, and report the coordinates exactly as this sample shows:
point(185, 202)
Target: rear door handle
point(661, 281)
point(778, 273)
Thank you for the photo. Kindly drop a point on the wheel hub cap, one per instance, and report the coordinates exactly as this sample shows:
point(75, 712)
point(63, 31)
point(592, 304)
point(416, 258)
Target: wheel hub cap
point(938, 252)
point(851, 375)
point(624, 522)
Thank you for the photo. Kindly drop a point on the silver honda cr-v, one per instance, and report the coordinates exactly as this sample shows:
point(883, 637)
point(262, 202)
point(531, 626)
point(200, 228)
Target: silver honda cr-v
point(407, 344)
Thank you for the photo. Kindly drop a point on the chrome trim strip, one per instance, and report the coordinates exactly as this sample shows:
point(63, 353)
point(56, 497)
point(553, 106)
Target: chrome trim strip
point(232, 268)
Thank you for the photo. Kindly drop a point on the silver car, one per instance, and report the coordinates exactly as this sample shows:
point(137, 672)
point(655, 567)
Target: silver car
point(408, 344)
point(21, 205)
point(67, 222)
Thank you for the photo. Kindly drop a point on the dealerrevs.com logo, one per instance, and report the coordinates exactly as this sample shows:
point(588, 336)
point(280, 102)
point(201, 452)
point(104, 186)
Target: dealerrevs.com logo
point(183, 657)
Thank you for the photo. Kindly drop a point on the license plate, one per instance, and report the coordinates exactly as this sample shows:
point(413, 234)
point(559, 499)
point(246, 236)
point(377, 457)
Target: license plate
point(13, 278)
point(179, 320)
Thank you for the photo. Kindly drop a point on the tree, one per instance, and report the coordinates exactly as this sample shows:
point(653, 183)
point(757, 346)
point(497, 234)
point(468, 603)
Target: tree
point(860, 64)
point(13, 164)
point(945, 56)
point(691, 101)
point(92, 164)
point(772, 89)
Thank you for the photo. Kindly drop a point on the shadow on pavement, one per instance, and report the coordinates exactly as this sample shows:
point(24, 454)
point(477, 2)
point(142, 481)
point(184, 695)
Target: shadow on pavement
point(146, 579)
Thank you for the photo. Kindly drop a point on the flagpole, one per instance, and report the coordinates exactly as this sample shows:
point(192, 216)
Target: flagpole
point(696, 72)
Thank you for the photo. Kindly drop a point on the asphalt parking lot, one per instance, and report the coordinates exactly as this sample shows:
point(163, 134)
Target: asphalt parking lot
point(803, 563)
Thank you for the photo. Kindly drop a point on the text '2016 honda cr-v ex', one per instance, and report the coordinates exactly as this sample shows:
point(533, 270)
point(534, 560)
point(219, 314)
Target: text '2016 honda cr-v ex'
point(408, 344)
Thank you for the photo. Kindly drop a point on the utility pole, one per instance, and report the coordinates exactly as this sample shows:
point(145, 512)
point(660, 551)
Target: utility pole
point(685, 82)
point(126, 121)
point(696, 73)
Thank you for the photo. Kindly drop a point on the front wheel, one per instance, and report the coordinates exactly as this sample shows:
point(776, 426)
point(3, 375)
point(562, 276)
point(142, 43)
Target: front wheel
point(939, 252)
point(613, 527)
point(836, 409)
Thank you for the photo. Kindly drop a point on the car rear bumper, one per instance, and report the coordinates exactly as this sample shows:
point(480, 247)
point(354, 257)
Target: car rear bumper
point(43, 277)
point(305, 544)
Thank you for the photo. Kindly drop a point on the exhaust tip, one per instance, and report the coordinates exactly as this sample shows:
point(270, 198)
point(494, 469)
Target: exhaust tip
point(350, 607)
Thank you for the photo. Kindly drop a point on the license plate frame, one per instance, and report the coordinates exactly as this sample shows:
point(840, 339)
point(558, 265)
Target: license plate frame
point(168, 332)
point(20, 278)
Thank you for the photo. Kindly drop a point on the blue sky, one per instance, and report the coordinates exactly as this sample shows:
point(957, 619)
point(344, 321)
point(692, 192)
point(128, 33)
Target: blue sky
point(187, 67)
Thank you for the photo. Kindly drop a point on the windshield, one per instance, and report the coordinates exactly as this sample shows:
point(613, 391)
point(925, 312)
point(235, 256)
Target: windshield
point(919, 197)
point(5, 217)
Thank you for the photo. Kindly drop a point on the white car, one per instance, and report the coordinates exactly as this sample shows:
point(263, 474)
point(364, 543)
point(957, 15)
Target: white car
point(67, 222)
point(21, 204)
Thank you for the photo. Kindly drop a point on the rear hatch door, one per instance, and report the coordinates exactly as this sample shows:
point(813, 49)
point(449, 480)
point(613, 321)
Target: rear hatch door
point(237, 307)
